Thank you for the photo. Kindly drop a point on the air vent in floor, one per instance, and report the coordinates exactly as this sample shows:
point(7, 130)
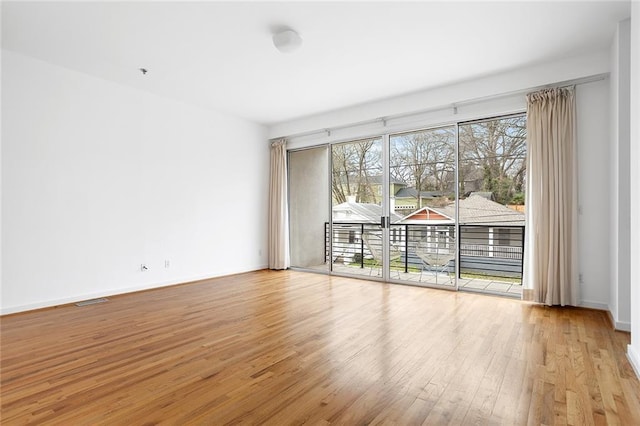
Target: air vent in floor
point(92, 301)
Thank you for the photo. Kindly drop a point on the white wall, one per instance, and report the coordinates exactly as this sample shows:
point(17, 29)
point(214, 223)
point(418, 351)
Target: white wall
point(592, 112)
point(98, 178)
point(620, 222)
point(593, 141)
point(497, 84)
point(1, 172)
point(634, 195)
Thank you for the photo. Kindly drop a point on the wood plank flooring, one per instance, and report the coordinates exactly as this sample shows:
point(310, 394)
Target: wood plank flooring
point(289, 347)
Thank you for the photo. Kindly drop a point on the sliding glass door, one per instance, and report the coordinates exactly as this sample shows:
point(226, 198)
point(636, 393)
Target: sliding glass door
point(423, 242)
point(437, 207)
point(357, 197)
point(492, 175)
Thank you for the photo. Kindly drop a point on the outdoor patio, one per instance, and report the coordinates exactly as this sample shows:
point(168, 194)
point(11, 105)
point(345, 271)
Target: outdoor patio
point(502, 288)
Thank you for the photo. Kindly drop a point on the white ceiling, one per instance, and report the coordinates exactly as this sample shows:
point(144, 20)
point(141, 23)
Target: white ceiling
point(220, 55)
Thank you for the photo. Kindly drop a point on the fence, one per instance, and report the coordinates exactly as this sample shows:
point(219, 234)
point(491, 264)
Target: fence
point(494, 251)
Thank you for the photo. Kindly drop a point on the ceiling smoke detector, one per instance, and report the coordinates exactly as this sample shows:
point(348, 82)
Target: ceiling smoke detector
point(287, 41)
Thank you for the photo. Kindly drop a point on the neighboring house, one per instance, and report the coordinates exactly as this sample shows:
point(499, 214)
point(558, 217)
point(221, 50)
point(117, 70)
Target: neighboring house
point(371, 186)
point(482, 222)
point(350, 221)
point(477, 209)
point(404, 198)
point(359, 212)
point(487, 230)
point(350, 218)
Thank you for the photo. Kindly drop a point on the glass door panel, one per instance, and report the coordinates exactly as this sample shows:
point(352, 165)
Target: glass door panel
point(436, 207)
point(355, 236)
point(309, 208)
point(422, 211)
point(492, 176)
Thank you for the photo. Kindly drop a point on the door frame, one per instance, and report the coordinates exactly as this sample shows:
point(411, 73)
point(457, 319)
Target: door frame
point(385, 135)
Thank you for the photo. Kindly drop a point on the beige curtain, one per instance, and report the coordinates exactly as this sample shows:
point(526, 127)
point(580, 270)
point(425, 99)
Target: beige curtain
point(278, 208)
point(552, 267)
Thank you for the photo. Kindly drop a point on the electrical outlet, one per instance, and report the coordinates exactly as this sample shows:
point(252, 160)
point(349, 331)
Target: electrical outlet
point(143, 267)
point(580, 280)
point(167, 264)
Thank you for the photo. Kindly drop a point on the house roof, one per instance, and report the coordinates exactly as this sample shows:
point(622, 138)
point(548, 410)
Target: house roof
point(430, 215)
point(475, 209)
point(360, 212)
point(484, 194)
point(412, 192)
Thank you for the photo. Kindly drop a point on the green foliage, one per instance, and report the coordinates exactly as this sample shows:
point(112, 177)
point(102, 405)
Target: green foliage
point(493, 157)
point(518, 199)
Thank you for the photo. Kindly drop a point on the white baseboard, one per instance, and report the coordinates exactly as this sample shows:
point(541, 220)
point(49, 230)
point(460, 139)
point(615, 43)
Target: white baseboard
point(622, 325)
point(634, 359)
point(594, 305)
point(618, 325)
point(114, 292)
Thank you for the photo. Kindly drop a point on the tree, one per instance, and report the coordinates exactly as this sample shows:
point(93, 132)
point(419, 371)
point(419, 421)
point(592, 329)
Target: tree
point(424, 160)
point(353, 165)
point(493, 157)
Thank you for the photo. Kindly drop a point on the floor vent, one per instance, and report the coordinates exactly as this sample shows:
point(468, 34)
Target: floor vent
point(92, 301)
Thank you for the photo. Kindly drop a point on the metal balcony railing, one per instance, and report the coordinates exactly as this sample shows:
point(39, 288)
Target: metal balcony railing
point(486, 250)
point(492, 251)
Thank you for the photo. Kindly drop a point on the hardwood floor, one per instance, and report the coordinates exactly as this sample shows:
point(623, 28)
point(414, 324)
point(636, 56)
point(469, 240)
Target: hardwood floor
point(291, 348)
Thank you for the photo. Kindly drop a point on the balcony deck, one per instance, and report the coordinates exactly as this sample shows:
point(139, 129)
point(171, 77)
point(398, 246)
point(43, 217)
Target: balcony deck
point(497, 287)
point(490, 260)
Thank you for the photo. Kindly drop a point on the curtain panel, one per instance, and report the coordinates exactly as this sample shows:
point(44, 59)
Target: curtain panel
point(278, 207)
point(552, 197)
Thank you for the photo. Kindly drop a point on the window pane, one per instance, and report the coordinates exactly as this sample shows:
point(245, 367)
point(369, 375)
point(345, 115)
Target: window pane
point(492, 179)
point(357, 195)
point(422, 205)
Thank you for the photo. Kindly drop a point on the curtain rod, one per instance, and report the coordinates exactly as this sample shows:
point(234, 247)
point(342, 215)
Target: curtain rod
point(452, 105)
